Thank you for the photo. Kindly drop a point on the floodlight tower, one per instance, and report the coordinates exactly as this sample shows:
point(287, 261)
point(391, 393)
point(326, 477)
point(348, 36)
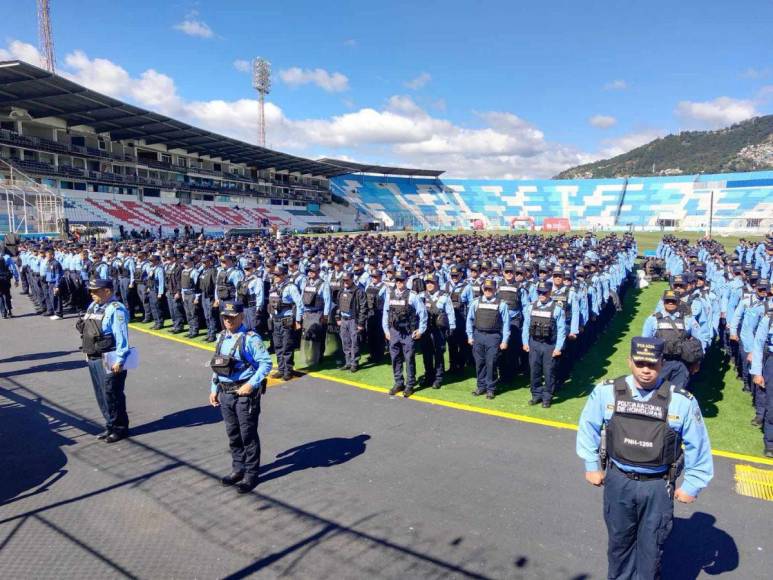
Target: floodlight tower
point(45, 37)
point(261, 81)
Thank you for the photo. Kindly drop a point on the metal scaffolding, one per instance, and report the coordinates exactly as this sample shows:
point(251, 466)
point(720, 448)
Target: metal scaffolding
point(28, 207)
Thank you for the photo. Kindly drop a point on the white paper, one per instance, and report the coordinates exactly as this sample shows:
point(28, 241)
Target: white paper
point(132, 360)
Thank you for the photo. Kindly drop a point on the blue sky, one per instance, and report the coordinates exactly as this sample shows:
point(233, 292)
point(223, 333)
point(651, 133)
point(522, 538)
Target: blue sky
point(489, 89)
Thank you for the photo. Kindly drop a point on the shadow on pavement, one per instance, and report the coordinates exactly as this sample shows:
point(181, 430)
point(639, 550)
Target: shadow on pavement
point(322, 453)
point(37, 356)
point(697, 546)
point(193, 417)
point(31, 450)
point(68, 365)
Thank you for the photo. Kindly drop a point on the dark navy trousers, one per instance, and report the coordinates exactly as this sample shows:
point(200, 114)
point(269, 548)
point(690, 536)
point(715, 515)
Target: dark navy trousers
point(175, 311)
point(284, 345)
point(433, 350)
point(767, 374)
point(543, 365)
point(109, 392)
point(350, 340)
point(639, 516)
point(676, 373)
point(402, 349)
point(240, 415)
point(485, 350)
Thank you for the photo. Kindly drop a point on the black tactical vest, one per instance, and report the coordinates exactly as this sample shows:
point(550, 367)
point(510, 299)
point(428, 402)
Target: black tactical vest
point(372, 299)
point(672, 332)
point(186, 280)
point(542, 325)
point(455, 292)
point(94, 342)
point(152, 279)
point(173, 278)
point(207, 282)
point(244, 295)
point(223, 288)
point(638, 433)
point(487, 316)
point(345, 301)
point(401, 314)
point(311, 294)
point(510, 293)
point(436, 316)
point(275, 297)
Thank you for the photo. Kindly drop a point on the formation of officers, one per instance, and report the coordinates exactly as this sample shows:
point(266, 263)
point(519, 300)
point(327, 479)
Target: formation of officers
point(544, 299)
point(719, 300)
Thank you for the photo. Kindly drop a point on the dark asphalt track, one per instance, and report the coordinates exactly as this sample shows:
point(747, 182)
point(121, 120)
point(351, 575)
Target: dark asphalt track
point(356, 485)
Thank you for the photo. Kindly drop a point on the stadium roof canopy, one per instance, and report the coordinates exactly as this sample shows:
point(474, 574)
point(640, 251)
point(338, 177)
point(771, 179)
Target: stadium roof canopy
point(381, 169)
point(44, 94)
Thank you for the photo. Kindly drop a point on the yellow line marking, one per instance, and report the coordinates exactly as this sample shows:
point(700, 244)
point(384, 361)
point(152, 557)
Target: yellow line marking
point(450, 404)
point(754, 482)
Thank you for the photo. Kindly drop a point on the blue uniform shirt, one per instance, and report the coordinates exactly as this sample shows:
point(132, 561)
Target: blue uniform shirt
point(257, 358)
point(684, 416)
point(504, 313)
point(444, 304)
point(413, 301)
point(11, 266)
point(115, 322)
point(558, 314)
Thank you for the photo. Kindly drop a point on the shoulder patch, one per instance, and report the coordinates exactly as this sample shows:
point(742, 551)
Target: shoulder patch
point(684, 392)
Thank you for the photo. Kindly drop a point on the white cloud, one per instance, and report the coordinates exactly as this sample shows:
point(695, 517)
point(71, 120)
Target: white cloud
point(503, 144)
point(602, 121)
point(755, 73)
point(194, 27)
point(418, 82)
point(616, 85)
point(619, 145)
point(330, 82)
point(714, 114)
point(351, 42)
point(18, 50)
point(242, 65)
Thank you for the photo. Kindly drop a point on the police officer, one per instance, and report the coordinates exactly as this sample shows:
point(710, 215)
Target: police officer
point(104, 328)
point(512, 292)
point(639, 422)
point(544, 333)
point(189, 290)
point(458, 348)
point(226, 280)
point(404, 321)
point(174, 302)
point(7, 272)
point(239, 370)
point(674, 328)
point(155, 287)
point(249, 292)
point(53, 277)
point(207, 298)
point(141, 284)
point(317, 303)
point(761, 369)
point(351, 316)
point(286, 310)
point(488, 332)
point(441, 323)
point(375, 293)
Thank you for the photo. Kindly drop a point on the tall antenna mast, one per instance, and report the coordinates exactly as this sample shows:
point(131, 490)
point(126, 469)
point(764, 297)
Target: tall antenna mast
point(261, 81)
point(45, 37)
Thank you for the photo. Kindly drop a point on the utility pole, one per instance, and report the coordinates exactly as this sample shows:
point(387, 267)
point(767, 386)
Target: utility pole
point(45, 36)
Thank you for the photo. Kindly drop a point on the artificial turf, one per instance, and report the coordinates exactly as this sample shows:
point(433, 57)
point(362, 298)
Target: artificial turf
point(726, 408)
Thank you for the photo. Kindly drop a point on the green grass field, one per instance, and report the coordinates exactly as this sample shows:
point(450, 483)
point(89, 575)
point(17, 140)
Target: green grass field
point(726, 408)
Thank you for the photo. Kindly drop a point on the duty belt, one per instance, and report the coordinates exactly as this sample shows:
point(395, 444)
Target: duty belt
point(641, 476)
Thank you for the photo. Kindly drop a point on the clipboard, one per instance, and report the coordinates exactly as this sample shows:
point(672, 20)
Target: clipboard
point(132, 360)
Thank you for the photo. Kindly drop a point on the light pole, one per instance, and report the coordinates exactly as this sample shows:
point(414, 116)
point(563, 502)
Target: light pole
point(261, 82)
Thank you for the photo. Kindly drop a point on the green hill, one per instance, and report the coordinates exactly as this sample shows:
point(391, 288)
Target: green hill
point(747, 146)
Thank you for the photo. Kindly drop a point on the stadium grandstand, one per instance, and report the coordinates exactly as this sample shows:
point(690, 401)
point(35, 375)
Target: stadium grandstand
point(70, 156)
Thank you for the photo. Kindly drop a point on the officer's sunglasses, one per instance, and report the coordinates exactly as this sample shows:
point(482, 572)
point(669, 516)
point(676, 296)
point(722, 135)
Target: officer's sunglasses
point(640, 364)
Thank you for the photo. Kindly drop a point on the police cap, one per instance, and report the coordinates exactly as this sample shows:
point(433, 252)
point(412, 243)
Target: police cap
point(763, 285)
point(544, 287)
point(509, 267)
point(679, 280)
point(670, 296)
point(648, 350)
point(280, 270)
point(231, 308)
point(98, 284)
point(489, 284)
point(347, 276)
point(249, 265)
point(376, 273)
point(401, 275)
point(430, 279)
